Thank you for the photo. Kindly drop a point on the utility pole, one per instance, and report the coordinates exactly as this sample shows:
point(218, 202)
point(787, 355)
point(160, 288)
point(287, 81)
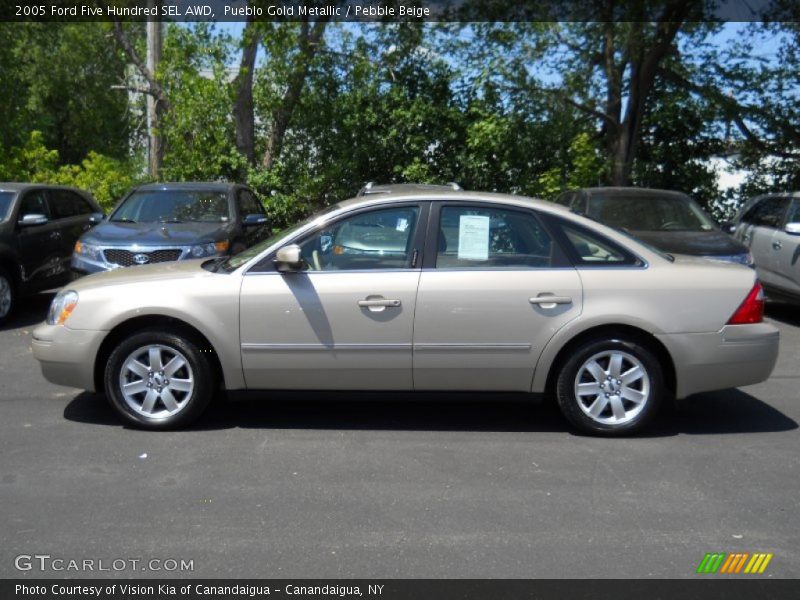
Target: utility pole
point(154, 108)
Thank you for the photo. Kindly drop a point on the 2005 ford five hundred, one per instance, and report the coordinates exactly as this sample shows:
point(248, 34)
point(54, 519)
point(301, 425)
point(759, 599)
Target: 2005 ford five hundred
point(417, 288)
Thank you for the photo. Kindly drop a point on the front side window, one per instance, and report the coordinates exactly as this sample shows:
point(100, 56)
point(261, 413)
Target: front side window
point(794, 212)
point(174, 206)
point(767, 213)
point(377, 239)
point(475, 237)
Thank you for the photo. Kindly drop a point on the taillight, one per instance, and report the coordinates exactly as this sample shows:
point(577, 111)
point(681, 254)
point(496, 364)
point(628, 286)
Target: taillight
point(752, 309)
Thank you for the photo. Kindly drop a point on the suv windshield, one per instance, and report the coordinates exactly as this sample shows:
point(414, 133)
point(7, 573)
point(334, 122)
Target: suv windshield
point(174, 206)
point(650, 213)
point(5, 203)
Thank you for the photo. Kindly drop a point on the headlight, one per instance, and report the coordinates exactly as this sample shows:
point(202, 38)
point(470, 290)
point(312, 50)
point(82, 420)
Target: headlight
point(89, 251)
point(61, 307)
point(211, 249)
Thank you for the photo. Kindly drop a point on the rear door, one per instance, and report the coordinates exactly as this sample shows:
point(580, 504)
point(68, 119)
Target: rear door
point(71, 214)
point(786, 252)
point(757, 229)
point(495, 288)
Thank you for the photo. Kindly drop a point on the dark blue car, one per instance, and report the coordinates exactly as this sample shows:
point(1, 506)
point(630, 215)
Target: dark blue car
point(162, 222)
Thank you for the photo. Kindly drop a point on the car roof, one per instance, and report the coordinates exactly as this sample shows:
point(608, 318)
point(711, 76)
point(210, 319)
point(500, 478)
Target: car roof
point(629, 190)
point(412, 191)
point(221, 186)
point(17, 186)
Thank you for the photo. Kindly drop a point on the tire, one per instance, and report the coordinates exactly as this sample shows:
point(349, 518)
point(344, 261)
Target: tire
point(622, 387)
point(160, 398)
point(8, 296)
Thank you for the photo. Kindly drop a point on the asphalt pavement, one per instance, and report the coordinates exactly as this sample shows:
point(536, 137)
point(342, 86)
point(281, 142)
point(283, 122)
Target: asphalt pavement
point(368, 486)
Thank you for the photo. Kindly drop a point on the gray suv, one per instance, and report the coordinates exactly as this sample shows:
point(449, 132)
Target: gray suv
point(162, 222)
point(39, 224)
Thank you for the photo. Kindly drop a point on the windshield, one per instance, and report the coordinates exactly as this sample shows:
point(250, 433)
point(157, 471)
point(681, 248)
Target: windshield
point(236, 261)
point(174, 206)
point(5, 204)
point(650, 213)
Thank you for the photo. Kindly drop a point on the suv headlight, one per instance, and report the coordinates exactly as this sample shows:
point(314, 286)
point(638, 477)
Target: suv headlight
point(89, 251)
point(61, 307)
point(211, 249)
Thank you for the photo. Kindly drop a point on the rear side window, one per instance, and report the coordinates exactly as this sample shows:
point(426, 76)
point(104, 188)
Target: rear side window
point(769, 212)
point(475, 237)
point(794, 212)
point(34, 203)
point(249, 205)
point(66, 204)
point(591, 249)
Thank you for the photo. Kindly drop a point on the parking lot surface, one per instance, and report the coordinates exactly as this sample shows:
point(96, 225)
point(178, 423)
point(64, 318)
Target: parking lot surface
point(343, 485)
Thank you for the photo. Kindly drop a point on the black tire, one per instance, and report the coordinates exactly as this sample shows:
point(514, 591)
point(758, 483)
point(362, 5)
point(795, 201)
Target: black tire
point(7, 286)
point(613, 395)
point(189, 404)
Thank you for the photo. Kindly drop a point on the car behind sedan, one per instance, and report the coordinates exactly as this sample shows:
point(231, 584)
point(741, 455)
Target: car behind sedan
point(161, 222)
point(669, 221)
point(417, 288)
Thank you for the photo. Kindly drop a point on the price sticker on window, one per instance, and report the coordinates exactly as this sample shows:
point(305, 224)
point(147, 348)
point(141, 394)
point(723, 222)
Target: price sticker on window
point(473, 237)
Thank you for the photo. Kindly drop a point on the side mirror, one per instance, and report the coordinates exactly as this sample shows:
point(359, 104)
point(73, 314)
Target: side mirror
point(288, 259)
point(255, 219)
point(32, 220)
point(792, 228)
point(727, 226)
point(96, 218)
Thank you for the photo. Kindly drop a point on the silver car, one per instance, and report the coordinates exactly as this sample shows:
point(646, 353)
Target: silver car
point(770, 226)
point(418, 288)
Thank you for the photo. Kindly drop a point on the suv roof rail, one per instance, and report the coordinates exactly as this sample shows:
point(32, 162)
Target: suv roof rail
point(366, 189)
point(455, 187)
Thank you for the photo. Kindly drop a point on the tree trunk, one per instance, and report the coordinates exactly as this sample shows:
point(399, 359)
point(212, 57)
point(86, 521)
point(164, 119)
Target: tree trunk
point(154, 108)
point(309, 44)
point(243, 112)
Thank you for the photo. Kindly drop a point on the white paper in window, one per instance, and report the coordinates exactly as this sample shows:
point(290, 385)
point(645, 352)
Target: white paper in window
point(473, 237)
point(402, 224)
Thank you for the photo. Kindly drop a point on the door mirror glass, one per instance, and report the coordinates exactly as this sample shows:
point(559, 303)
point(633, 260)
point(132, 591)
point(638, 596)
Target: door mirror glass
point(96, 218)
point(792, 228)
point(254, 219)
point(32, 220)
point(288, 259)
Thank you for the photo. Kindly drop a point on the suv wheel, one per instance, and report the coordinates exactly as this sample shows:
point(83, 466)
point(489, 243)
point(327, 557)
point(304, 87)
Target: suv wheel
point(159, 380)
point(7, 295)
point(610, 387)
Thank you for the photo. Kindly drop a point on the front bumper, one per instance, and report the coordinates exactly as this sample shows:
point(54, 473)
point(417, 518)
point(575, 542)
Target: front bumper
point(84, 266)
point(735, 356)
point(67, 356)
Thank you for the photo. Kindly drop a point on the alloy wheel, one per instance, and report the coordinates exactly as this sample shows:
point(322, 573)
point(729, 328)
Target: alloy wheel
point(156, 381)
point(612, 387)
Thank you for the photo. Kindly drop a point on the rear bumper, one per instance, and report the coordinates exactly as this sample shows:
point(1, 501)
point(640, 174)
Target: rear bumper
point(735, 356)
point(67, 356)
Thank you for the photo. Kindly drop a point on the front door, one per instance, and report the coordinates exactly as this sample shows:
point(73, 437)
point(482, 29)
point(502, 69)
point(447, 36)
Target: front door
point(786, 247)
point(494, 290)
point(346, 321)
point(757, 231)
point(39, 245)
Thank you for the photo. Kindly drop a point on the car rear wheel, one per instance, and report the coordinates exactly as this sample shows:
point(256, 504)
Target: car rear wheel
point(7, 296)
point(159, 380)
point(610, 387)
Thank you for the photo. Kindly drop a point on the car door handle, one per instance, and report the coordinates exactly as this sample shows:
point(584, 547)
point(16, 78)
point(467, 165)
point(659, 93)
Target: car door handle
point(544, 299)
point(777, 245)
point(378, 303)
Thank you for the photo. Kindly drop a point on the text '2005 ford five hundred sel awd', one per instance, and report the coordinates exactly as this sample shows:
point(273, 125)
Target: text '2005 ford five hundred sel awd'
point(418, 288)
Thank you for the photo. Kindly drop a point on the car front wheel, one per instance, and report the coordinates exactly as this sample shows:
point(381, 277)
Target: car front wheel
point(7, 296)
point(159, 380)
point(610, 387)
